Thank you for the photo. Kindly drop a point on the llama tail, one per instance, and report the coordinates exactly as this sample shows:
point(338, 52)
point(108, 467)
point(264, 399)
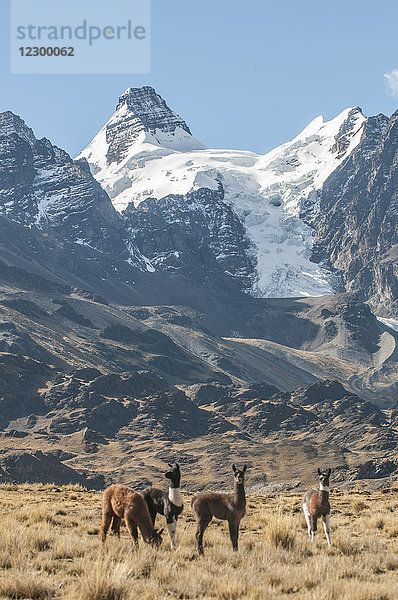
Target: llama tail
point(193, 501)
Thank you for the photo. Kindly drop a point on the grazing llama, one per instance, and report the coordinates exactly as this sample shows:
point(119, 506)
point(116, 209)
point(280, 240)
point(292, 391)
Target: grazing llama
point(121, 502)
point(168, 503)
point(228, 507)
point(316, 505)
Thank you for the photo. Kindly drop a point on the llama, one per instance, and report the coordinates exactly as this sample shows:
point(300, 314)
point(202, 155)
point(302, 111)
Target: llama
point(121, 502)
point(316, 504)
point(228, 507)
point(168, 503)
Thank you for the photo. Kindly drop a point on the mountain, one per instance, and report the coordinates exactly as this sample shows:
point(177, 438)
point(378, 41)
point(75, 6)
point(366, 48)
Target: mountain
point(277, 225)
point(137, 322)
point(269, 253)
point(142, 119)
point(53, 211)
point(41, 185)
point(191, 251)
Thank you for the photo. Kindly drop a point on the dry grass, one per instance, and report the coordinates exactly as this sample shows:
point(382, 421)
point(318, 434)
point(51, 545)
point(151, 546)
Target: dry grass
point(280, 531)
point(50, 549)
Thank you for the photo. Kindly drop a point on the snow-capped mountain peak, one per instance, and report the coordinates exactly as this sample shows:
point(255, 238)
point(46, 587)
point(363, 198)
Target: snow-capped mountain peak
point(151, 110)
point(299, 168)
point(142, 122)
point(147, 151)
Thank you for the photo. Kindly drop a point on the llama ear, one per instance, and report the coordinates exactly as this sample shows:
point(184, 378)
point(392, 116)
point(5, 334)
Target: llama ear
point(244, 468)
point(329, 471)
point(319, 471)
point(178, 466)
point(233, 468)
point(171, 466)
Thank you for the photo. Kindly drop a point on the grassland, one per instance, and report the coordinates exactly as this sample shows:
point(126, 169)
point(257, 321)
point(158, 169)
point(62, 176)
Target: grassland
point(50, 549)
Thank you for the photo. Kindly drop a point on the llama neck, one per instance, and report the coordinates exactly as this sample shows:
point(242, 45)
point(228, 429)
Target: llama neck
point(146, 527)
point(175, 496)
point(174, 484)
point(323, 493)
point(239, 494)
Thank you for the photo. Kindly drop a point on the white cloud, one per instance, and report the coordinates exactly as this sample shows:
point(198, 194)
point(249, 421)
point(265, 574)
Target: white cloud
point(392, 82)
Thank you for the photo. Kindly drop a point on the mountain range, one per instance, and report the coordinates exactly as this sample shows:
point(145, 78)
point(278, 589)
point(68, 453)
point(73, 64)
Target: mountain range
point(153, 286)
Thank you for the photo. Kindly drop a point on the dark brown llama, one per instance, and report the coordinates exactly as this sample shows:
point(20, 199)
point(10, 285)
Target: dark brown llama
point(228, 507)
point(316, 505)
point(121, 502)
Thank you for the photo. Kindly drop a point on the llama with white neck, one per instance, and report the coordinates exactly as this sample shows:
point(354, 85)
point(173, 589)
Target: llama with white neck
point(168, 503)
point(316, 504)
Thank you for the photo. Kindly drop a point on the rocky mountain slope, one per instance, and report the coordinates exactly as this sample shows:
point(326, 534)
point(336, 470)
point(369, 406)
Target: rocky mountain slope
point(357, 221)
point(104, 389)
point(100, 425)
point(42, 186)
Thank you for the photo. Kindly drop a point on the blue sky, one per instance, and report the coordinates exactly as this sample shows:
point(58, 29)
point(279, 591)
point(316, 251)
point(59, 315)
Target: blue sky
point(246, 75)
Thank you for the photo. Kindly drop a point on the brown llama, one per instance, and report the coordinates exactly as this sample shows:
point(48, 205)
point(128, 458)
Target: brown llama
point(228, 507)
point(121, 502)
point(316, 504)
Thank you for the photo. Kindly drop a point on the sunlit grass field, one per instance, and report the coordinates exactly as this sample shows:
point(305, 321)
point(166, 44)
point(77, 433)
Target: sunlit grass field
point(50, 548)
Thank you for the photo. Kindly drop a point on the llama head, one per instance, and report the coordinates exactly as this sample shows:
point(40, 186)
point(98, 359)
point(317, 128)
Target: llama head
point(323, 476)
point(174, 475)
point(239, 474)
point(156, 537)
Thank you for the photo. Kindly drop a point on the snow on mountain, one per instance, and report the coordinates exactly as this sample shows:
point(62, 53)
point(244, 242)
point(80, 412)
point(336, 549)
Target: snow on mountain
point(147, 151)
point(391, 323)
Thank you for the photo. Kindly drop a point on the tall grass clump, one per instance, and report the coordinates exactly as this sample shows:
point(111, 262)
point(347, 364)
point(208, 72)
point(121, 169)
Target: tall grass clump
point(104, 580)
point(280, 531)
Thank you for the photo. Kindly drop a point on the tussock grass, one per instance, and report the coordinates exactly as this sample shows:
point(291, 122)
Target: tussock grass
point(50, 549)
point(346, 545)
point(358, 505)
point(393, 530)
point(26, 583)
point(280, 531)
point(107, 580)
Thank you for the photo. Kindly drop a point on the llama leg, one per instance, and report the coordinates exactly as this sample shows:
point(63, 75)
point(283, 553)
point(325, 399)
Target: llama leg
point(313, 521)
point(153, 514)
point(116, 522)
point(106, 521)
point(326, 527)
point(307, 517)
point(134, 534)
point(233, 534)
point(203, 522)
point(131, 527)
point(172, 528)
